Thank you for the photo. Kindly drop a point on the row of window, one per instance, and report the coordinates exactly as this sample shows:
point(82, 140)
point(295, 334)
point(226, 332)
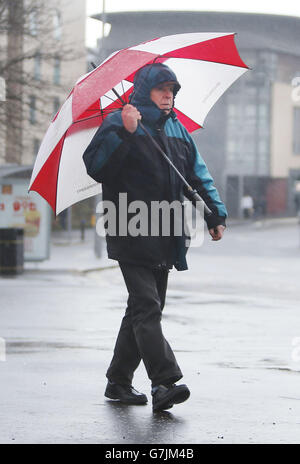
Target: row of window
point(245, 118)
point(249, 111)
point(34, 23)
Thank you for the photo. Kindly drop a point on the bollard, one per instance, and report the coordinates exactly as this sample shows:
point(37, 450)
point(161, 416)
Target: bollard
point(11, 251)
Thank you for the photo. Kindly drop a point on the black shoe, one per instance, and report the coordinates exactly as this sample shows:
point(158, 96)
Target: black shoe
point(164, 397)
point(124, 393)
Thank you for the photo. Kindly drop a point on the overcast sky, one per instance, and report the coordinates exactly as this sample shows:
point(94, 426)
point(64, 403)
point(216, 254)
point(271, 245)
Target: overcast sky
point(94, 28)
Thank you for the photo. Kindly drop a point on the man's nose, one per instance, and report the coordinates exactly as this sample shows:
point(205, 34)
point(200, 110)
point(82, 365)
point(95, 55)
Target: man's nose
point(168, 93)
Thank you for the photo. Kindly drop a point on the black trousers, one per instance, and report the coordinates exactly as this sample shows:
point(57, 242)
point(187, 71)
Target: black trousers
point(140, 336)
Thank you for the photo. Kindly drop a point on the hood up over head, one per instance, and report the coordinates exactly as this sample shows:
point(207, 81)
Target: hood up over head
point(146, 79)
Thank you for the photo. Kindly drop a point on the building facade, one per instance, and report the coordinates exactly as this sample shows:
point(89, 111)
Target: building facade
point(47, 40)
point(251, 137)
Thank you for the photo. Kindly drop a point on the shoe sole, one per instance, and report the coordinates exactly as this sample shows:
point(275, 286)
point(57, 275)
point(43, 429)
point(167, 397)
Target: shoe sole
point(133, 401)
point(178, 395)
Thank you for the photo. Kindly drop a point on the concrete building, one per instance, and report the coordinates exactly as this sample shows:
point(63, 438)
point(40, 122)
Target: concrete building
point(251, 138)
point(51, 44)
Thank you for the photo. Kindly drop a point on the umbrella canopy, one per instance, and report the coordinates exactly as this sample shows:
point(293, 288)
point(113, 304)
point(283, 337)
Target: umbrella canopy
point(206, 64)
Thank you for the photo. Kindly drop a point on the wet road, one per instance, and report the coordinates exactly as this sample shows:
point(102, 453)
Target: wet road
point(233, 321)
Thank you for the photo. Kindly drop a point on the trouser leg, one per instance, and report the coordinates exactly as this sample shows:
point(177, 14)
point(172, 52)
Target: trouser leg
point(140, 335)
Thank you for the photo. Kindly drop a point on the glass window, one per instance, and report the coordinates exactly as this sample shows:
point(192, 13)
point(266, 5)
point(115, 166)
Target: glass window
point(36, 146)
point(56, 105)
point(33, 23)
point(250, 111)
point(32, 109)
point(37, 66)
point(263, 111)
point(2, 89)
point(296, 131)
point(232, 110)
point(262, 146)
point(57, 25)
point(56, 76)
point(231, 146)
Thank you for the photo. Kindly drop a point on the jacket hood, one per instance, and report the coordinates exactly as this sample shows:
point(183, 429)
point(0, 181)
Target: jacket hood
point(145, 80)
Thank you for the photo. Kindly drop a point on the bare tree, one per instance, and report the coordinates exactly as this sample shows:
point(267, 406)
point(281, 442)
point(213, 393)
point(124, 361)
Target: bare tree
point(30, 35)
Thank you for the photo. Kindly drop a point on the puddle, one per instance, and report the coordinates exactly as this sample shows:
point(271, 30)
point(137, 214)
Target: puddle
point(20, 347)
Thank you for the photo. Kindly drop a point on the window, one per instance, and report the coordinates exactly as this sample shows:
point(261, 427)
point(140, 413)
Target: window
point(56, 105)
point(57, 25)
point(37, 66)
point(250, 111)
point(56, 76)
point(263, 111)
point(262, 147)
point(2, 89)
point(231, 146)
point(33, 23)
point(36, 146)
point(232, 110)
point(296, 131)
point(32, 109)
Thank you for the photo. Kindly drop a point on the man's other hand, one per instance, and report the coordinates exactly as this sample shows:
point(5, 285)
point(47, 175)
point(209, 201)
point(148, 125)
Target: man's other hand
point(217, 232)
point(130, 117)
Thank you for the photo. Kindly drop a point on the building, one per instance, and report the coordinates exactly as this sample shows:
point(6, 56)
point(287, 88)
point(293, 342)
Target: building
point(46, 40)
point(251, 138)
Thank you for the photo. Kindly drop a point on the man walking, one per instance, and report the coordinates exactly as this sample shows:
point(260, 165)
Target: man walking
point(124, 160)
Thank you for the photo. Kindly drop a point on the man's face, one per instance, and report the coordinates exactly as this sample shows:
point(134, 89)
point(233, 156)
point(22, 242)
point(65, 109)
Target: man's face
point(163, 96)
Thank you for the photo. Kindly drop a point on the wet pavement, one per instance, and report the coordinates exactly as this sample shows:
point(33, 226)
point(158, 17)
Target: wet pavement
point(233, 321)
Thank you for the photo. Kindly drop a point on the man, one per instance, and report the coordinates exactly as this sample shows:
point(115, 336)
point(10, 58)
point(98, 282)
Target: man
point(247, 206)
point(124, 160)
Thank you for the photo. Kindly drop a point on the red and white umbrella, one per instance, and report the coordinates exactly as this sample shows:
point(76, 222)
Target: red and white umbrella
point(205, 64)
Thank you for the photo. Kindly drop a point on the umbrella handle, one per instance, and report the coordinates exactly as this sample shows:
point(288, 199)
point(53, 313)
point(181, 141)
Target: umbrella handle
point(199, 202)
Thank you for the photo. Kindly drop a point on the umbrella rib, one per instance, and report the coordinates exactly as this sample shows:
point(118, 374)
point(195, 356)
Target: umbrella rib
point(97, 115)
point(109, 98)
point(206, 61)
point(86, 119)
point(123, 90)
point(101, 110)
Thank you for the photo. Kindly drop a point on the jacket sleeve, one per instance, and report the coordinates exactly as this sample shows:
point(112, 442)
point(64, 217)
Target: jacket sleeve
point(201, 180)
point(107, 151)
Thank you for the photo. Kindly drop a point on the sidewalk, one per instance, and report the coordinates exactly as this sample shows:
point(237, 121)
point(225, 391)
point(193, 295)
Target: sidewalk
point(71, 254)
point(264, 222)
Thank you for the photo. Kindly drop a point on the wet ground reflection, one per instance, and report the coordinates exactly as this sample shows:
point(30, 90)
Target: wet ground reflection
point(139, 424)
